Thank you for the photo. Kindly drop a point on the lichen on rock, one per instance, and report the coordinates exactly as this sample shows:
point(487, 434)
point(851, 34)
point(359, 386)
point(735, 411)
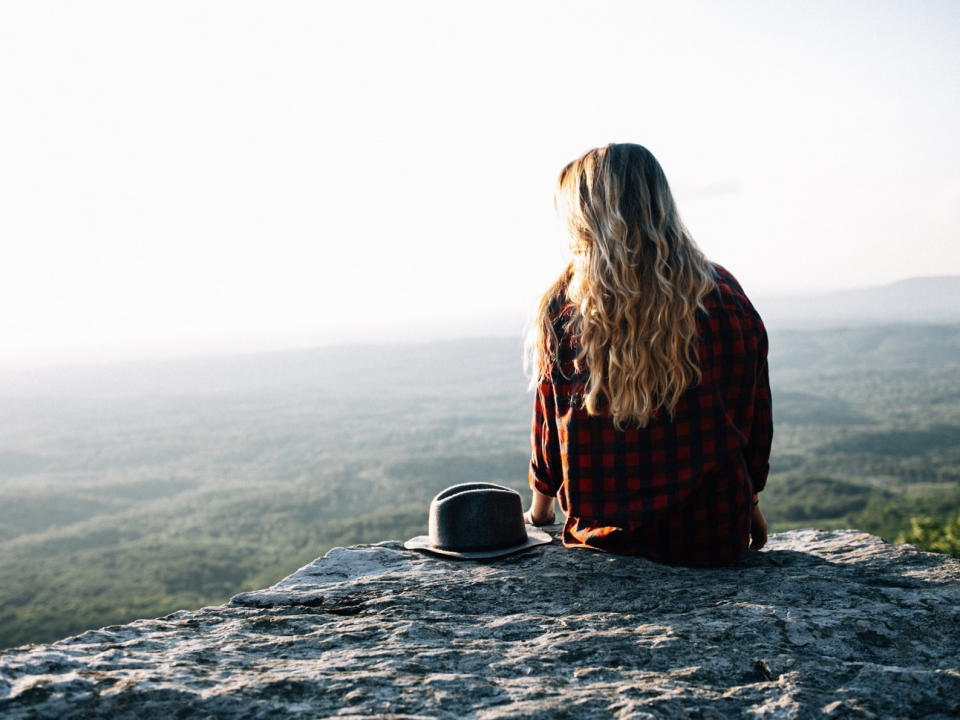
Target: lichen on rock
point(818, 625)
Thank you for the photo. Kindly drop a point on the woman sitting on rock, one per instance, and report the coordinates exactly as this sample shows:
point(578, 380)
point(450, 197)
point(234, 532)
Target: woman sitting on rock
point(652, 422)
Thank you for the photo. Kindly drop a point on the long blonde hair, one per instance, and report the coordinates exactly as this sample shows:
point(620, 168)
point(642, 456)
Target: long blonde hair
point(635, 284)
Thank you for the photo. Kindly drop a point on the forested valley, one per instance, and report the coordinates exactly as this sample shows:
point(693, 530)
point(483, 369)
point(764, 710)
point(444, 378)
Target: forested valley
point(133, 490)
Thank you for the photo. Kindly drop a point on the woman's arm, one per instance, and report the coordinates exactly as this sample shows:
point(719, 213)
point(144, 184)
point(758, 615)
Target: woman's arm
point(757, 452)
point(541, 510)
point(545, 463)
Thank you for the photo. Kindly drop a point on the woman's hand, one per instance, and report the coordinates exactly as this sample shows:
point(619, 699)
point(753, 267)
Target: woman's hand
point(758, 526)
point(530, 520)
point(541, 510)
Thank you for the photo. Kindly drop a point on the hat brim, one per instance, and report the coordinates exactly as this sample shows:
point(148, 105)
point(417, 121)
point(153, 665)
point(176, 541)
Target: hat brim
point(535, 536)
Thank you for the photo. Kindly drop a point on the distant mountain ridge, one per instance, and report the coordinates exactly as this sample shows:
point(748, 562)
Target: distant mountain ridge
point(925, 300)
point(889, 326)
point(468, 367)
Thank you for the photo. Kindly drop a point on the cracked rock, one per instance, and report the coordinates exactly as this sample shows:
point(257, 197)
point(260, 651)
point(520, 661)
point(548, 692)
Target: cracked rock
point(818, 625)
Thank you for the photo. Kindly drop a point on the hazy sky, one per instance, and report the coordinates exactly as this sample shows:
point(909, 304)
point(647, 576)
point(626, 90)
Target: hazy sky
point(197, 176)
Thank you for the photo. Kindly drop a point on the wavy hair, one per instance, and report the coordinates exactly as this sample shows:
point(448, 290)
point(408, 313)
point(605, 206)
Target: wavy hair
point(634, 285)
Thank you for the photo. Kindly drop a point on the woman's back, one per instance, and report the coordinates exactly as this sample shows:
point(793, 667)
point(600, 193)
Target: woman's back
point(652, 422)
point(678, 490)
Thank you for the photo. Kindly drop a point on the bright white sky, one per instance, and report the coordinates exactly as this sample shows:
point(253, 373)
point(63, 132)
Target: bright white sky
point(216, 176)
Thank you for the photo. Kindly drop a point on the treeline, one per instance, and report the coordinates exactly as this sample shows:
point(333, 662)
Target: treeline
point(927, 534)
point(795, 501)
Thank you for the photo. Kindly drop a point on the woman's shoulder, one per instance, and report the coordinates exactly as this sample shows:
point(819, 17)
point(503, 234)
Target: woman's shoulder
point(726, 282)
point(728, 297)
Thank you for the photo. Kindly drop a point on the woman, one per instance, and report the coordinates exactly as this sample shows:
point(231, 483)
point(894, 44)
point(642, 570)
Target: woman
point(652, 422)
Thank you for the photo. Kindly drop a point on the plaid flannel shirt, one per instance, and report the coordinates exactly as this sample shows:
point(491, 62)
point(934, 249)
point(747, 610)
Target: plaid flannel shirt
point(676, 491)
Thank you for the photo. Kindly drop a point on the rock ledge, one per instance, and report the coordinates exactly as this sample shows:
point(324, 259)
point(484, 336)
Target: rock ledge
point(819, 624)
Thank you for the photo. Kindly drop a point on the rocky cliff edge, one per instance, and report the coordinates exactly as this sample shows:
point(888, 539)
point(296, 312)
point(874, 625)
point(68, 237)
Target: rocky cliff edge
point(817, 625)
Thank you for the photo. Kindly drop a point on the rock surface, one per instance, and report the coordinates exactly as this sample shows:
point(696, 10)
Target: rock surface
point(818, 625)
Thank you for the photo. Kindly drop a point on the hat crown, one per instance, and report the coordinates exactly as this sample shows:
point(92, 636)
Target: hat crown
point(477, 516)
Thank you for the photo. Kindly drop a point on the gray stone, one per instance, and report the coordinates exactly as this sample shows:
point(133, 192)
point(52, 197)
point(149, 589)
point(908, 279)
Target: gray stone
point(818, 625)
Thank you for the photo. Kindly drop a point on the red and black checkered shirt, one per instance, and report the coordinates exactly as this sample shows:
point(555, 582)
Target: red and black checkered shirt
point(676, 491)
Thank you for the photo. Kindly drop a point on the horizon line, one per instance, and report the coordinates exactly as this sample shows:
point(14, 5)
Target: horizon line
point(429, 331)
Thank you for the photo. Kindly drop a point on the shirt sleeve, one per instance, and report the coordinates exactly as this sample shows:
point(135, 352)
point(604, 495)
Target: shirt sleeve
point(546, 473)
point(757, 453)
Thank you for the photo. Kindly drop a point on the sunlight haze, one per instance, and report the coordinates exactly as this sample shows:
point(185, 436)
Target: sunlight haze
point(196, 177)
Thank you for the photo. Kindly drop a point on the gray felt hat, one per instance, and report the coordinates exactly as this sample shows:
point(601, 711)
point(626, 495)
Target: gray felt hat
point(476, 521)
